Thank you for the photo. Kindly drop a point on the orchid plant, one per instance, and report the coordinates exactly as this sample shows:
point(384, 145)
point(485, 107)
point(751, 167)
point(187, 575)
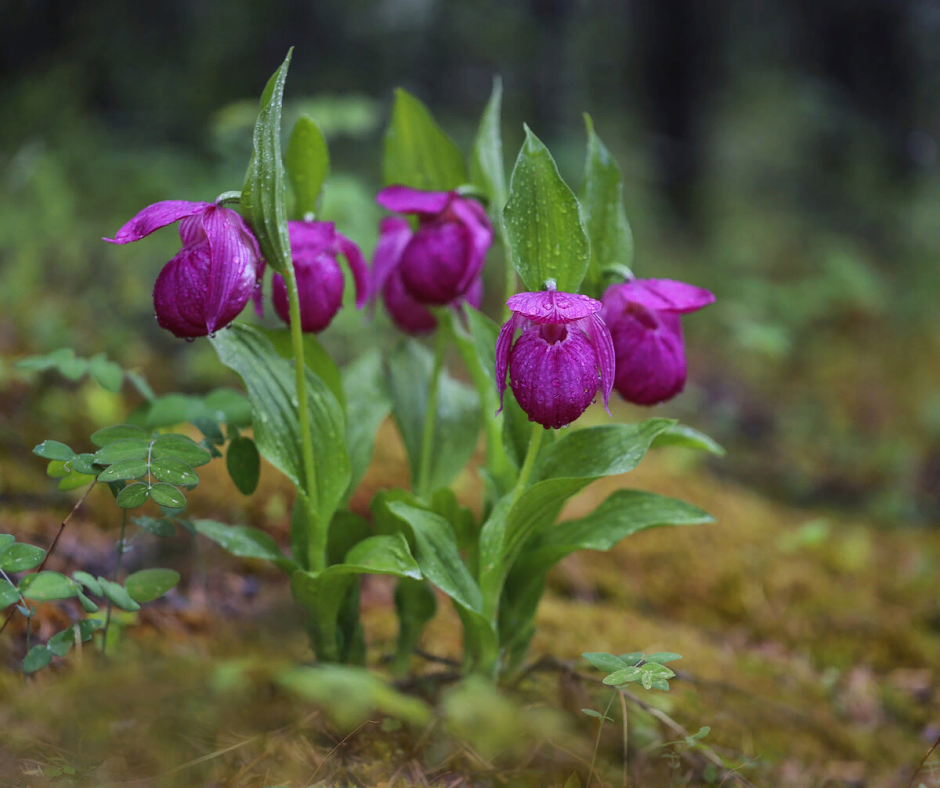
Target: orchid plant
point(582, 325)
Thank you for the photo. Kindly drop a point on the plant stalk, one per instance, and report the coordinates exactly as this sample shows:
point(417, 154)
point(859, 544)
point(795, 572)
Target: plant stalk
point(117, 568)
point(430, 415)
point(532, 453)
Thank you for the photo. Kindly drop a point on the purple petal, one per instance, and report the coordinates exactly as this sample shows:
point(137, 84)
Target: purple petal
point(357, 264)
point(314, 237)
point(257, 295)
point(191, 231)
point(666, 295)
point(179, 293)
point(599, 335)
point(402, 199)
point(406, 313)
point(394, 235)
point(155, 216)
point(474, 218)
point(233, 262)
point(319, 290)
point(552, 306)
point(503, 346)
point(651, 366)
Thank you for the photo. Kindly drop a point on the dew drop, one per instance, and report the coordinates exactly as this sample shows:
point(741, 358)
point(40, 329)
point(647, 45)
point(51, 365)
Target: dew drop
point(189, 339)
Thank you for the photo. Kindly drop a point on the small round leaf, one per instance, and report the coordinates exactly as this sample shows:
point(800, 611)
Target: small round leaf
point(124, 449)
point(21, 557)
point(244, 464)
point(132, 496)
point(124, 469)
point(54, 450)
point(149, 584)
point(45, 586)
point(174, 471)
point(38, 657)
point(167, 495)
point(181, 447)
point(118, 432)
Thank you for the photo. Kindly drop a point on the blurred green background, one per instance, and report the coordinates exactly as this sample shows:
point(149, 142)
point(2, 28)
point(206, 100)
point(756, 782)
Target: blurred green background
point(782, 154)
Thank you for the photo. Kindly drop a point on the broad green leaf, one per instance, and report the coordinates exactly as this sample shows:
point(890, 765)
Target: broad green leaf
point(457, 422)
point(663, 656)
point(84, 464)
point(174, 471)
point(347, 529)
point(54, 450)
point(57, 469)
point(108, 375)
point(605, 219)
point(243, 464)
point(417, 152)
point(6, 540)
point(229, 406)
point(608, 663)
point(37, 658)
point(487, 169)
point(415, 606)
point(123, 449)
point(245, 542)
point(75, 480)
point(21, 557)
point(118, 595)
point(564, 468)
point(123, 470)
point(308, 163)
point(262, 201)
point(271, 386)
point(60, 643)
point(46, 361)
point(167, 496)
point(88, 581)
point(45, 586)
point(87, 605)
point(543, 222)
point(367, 406)
point(133, 495)
point(316, 357)
point(688, 438)
point(181, 448)
point(623, 676)
point(149, 584)
point(8, 593)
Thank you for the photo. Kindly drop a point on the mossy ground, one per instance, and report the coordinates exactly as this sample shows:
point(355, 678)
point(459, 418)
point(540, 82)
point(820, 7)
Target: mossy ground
point(810, 643)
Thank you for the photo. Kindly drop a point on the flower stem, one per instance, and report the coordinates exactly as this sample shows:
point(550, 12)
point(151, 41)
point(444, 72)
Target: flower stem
point(117, 568)
point(430, 416)
point(535, 441)
point(317, 531)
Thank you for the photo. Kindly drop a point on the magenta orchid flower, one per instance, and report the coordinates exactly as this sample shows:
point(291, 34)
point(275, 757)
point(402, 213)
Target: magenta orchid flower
point(410, 315)
point(553, 365)
point(314, 247)
point(643, 318)
point(443, 258)
point(205, 286)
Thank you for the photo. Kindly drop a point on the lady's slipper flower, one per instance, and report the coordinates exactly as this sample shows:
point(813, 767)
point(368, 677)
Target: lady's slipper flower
point(553, 364)
point(212, 277)
point(409, 315)
point(444, 257)
point(643, 318)
point(314, 247)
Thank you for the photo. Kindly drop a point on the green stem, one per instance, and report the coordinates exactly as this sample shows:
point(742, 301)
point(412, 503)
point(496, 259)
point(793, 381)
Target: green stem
point(430, 415)
point(117, 568)
point(597, 741)
point(317, 531)
point(535, 441)
point(510, 270)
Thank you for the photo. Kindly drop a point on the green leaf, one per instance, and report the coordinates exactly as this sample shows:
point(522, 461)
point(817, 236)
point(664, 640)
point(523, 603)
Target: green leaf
point(75, 480)
point(308, 164)
point(316, 357)
point(688, 438)
point(605, 219)
point(174, 471)
point(8, 593)
point(60, 643)
point(46, 586)
point(139, 382)
point(487, 169)
point(21, 557)
point(6, 540)
point(633, 658)
point(109, 375)
point(124, 449)
point(54, 450)
point(149, 584)
point(133, 495)
point(262, 201)
point(662, 656)
point(244, 464)
point(623, 676)
point(245, 542)
point(457, 422)
point(57, 469)
point(161, 527)
point(88, 581)
point(543, 222)
point(181, 448)
point(229, 406)
point(44, 362)
point(367, 406)
point(118, 432)
point(124, 470)
point(167, 496)
point(84, 464)
point(417, 151)
point(38, 657)
point(574, 781)
point(605, 662)
point(87, 605)
point(596, 714)
point(118, 595)
point(271, 386)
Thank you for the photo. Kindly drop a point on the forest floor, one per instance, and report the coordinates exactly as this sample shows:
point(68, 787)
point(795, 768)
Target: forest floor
point(810, 644)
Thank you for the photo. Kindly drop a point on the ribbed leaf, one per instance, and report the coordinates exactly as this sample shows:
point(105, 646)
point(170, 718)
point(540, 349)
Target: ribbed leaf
point(308, 164)
point(487, 169)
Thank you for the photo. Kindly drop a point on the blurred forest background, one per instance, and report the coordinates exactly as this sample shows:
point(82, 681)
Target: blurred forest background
point(781, 153)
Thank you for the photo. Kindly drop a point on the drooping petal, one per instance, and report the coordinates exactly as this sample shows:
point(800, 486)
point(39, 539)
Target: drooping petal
point(179, 293)
point(603, 344)
point(313, 237)
point(394, 234)
point(480, 231)
point(503, 346)
point(434, 262)
point(665, 295)
point(551, 306)
point(406, 313)
point(651, 365)
point(319, 290)
point(257, 295)
point(191, 232)
point(403, 199)
point(155, 216)
point(233, 266)
point(357, 264)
